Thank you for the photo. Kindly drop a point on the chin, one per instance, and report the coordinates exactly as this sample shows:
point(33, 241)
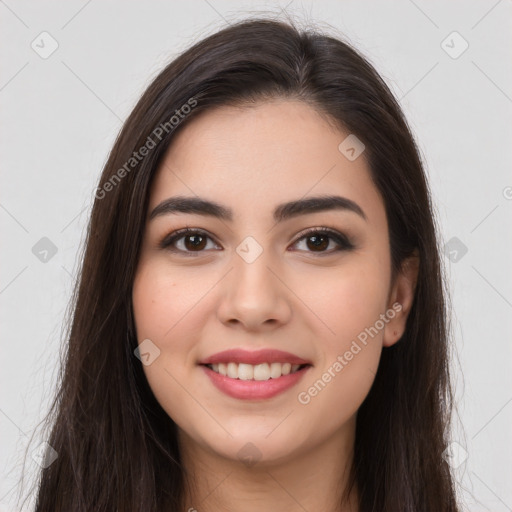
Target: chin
point(252, 447)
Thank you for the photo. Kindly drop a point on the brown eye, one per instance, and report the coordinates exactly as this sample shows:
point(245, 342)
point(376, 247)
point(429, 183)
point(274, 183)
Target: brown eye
point(317, 242)
point(186, 241)
point(319, 239)
point(196, 242)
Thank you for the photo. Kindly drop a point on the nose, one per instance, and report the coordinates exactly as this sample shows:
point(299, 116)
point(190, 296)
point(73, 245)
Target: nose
point(255, 296)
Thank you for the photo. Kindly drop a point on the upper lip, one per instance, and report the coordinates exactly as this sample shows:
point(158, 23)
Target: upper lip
point(238, 355)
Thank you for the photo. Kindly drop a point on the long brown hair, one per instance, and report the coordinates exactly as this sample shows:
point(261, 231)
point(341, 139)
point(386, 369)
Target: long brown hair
point(117, 448)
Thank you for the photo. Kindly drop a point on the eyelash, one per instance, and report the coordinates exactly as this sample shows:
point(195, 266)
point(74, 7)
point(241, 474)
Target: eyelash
point(342, 240)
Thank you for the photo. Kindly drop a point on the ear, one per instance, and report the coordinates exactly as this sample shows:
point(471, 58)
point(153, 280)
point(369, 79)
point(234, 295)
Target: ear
point(401, 298)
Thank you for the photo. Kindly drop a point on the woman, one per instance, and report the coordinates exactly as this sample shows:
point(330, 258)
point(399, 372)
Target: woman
point(260, 319)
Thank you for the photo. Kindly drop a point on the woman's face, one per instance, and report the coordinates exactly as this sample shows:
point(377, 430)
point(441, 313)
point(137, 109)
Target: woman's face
point(254, 281)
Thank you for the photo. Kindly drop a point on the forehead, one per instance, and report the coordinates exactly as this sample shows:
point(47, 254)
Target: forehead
point(253, 158)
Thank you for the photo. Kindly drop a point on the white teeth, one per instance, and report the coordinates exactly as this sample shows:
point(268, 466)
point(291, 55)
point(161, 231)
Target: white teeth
point(245, 371)
point(233, 370)
point(263, 371)
point(275, 370)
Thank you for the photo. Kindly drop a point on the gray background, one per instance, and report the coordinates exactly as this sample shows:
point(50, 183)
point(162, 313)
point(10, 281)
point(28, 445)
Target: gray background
point(60, 116)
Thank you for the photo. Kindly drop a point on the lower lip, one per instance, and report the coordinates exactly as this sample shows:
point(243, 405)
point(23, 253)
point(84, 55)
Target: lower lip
point(254, 389)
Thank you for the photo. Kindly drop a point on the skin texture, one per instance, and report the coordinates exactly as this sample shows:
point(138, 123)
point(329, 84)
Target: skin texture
point(293, 297)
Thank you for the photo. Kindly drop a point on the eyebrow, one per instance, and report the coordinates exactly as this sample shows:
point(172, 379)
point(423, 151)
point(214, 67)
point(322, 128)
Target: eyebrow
point(282, 212)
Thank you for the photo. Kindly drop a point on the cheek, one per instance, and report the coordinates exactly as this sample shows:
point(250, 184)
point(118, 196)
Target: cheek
point(349, 351)
point(349, 301)
point(163, 301)
point(163, 305)
point(346, 300)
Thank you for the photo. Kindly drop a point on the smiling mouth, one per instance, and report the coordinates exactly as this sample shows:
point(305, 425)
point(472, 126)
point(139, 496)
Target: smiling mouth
point(260, 372)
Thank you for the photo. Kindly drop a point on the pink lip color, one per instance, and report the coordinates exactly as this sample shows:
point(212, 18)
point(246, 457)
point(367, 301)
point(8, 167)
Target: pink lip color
point(237, 355)
point(254, 389)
